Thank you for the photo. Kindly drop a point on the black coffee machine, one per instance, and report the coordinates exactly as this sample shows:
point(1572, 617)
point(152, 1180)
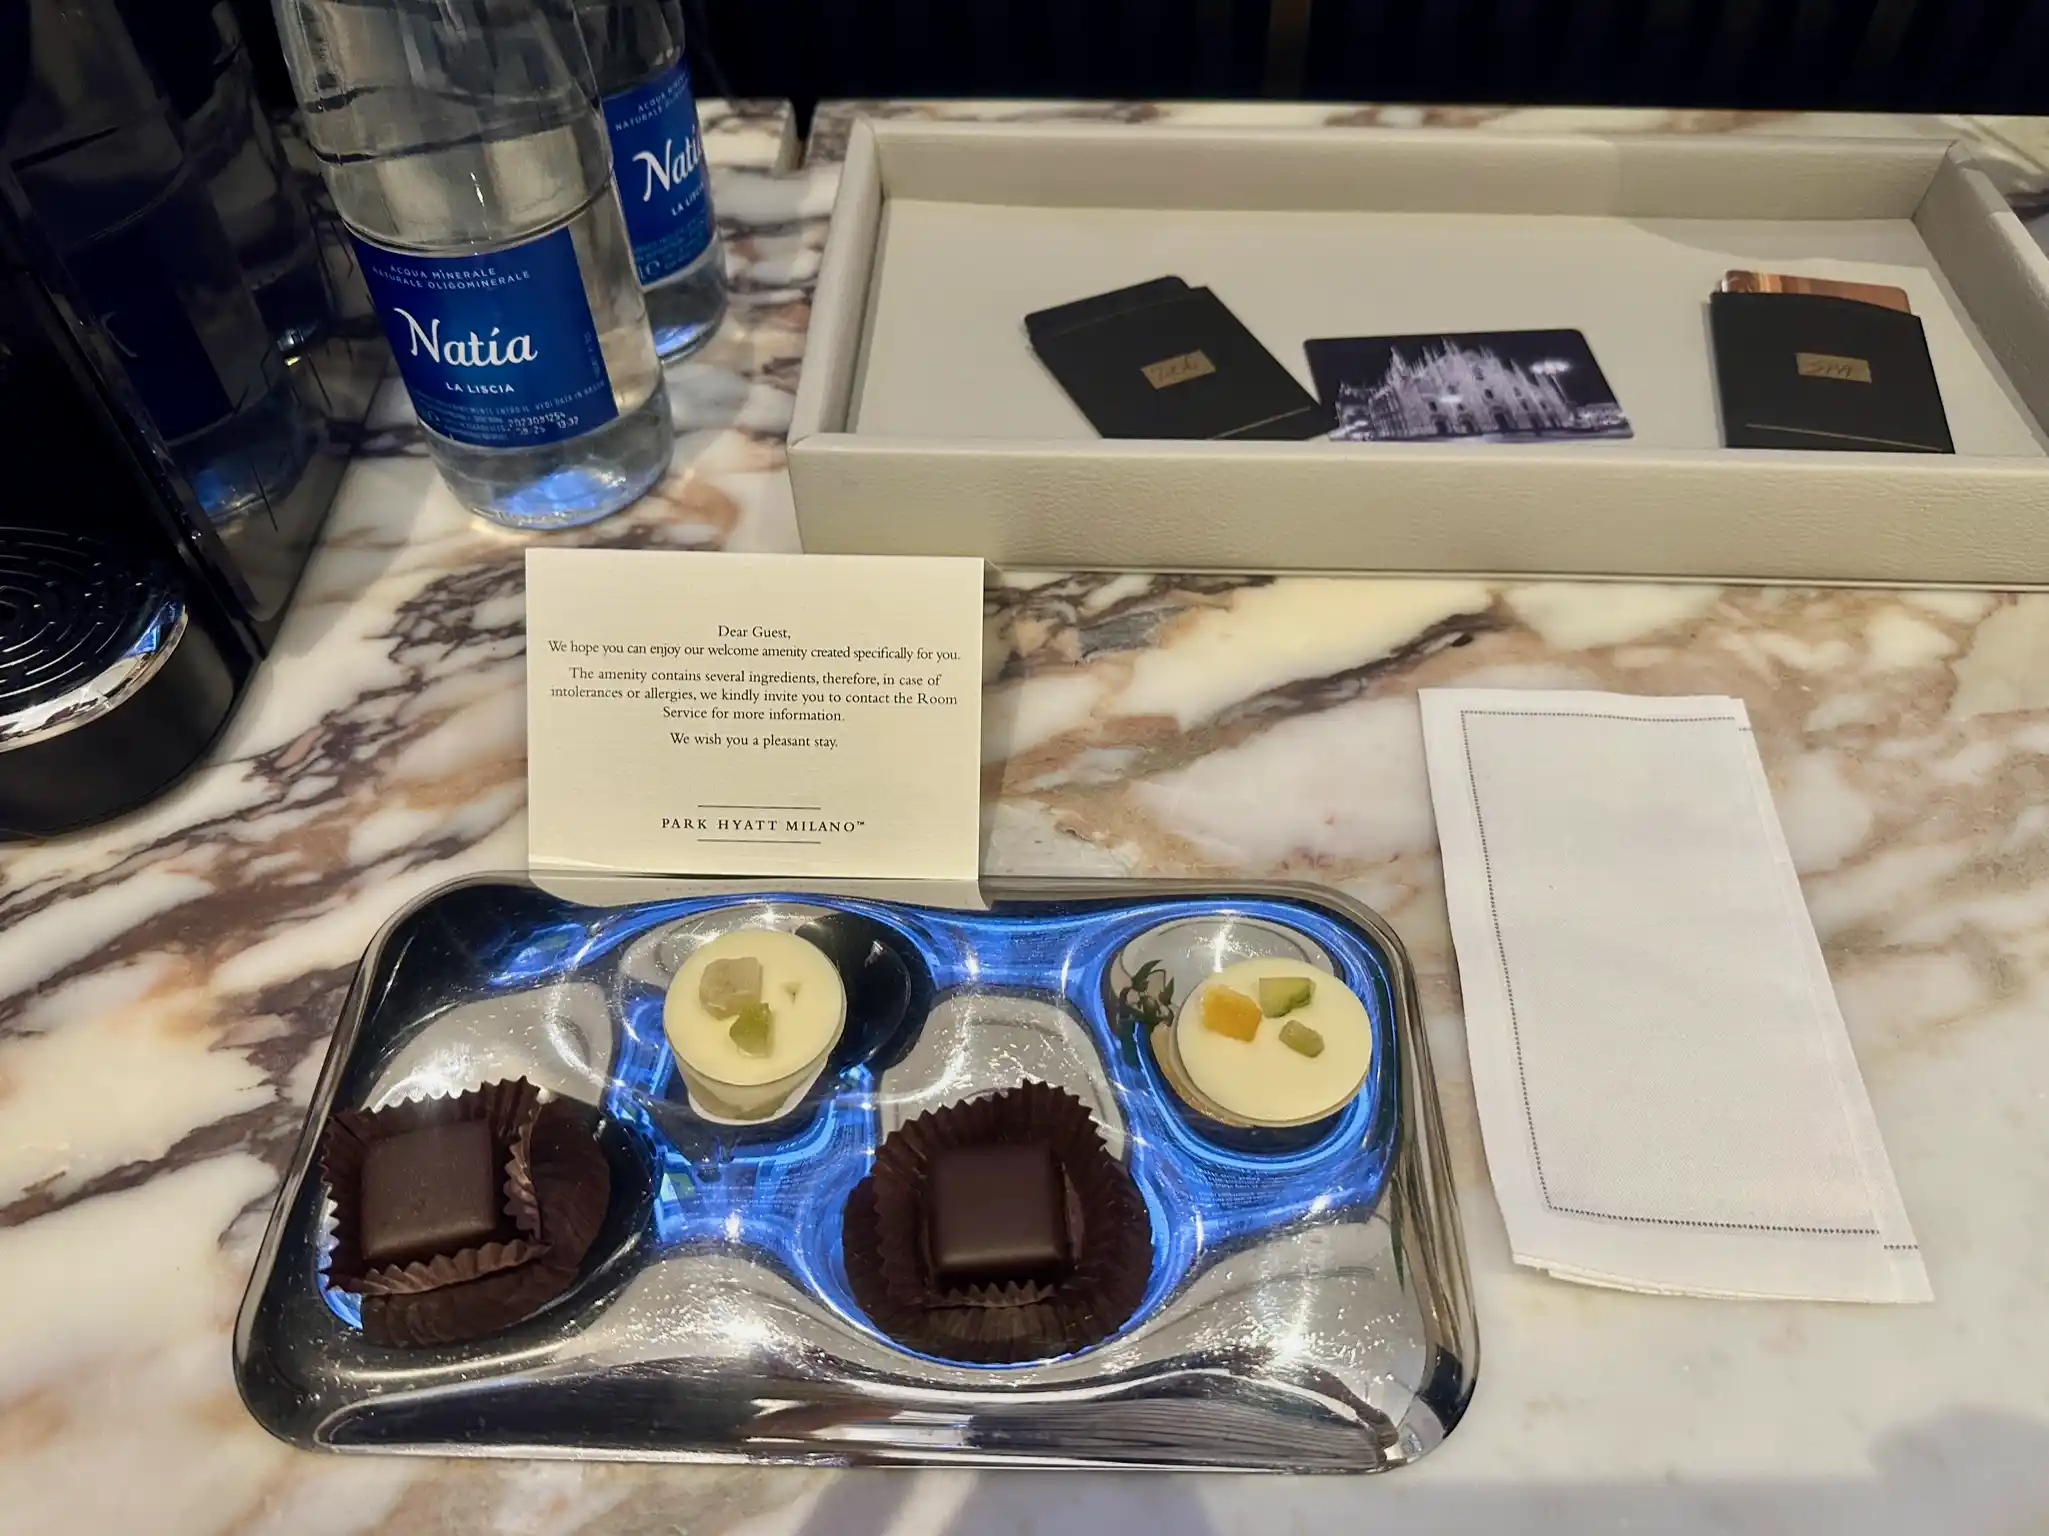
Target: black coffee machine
point(186, 359)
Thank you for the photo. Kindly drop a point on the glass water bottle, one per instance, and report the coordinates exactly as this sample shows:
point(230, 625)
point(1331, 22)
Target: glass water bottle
point(463, 146)
point(636, 47)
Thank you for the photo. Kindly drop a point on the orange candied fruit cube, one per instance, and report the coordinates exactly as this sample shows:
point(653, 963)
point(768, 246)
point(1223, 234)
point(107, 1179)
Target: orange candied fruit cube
point(1229, 1012)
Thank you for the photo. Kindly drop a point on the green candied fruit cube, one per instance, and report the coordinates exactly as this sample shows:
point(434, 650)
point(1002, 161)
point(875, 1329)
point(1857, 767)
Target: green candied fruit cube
point(1284, 994)
point(1301, 1039)
point(729, 985)
point(754, 1030)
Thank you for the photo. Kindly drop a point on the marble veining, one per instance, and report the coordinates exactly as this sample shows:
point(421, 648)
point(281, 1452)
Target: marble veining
point(168, 983)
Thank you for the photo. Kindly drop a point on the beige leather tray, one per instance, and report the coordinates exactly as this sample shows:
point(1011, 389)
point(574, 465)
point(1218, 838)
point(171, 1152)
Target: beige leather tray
point(925, 424)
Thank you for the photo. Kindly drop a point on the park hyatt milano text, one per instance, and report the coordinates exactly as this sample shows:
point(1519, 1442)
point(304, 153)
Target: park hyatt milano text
point(763, 824)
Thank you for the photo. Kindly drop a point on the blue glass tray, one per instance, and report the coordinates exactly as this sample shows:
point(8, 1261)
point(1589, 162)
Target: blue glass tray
point(1307, 1305)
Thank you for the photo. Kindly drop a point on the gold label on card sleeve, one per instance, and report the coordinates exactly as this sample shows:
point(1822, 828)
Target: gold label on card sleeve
point(1178, 370)
point(1825, 365)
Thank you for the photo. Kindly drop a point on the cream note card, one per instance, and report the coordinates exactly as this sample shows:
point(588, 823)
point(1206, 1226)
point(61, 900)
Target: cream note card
point(710, 714)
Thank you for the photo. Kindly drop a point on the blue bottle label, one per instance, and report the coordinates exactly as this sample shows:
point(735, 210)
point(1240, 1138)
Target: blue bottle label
point(498, 350)
point(658, 162)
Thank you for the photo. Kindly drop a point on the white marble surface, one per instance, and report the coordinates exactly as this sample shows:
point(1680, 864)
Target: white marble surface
point(167, 985)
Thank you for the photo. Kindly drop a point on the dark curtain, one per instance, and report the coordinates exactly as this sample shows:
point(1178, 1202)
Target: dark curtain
point(1850, 55)
point(811, 50)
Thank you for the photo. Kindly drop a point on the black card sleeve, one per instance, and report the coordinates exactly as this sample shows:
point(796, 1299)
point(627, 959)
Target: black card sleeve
point(1183, 367)
point(1101, 306)
point(1797, 370)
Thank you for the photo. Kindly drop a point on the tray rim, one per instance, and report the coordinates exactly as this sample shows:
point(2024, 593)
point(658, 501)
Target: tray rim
point(1448, 1265)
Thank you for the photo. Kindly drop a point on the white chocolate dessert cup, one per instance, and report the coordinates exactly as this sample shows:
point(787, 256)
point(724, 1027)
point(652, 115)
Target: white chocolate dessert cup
point(808, 1004)
point(1262, 1082)
point(1177, 1079)
point(725, 1101)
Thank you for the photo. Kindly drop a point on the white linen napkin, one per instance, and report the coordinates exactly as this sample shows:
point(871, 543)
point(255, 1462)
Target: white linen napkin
point(1667, 1093)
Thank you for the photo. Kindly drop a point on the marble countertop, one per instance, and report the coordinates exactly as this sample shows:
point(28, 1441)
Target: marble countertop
point(168, 983)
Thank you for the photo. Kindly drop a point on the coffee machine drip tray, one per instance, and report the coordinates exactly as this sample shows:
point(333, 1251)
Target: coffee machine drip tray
point(108, 691)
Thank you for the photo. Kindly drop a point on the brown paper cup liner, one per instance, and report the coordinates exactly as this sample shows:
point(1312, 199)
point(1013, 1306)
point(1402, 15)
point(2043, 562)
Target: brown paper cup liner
point(446, 1269)
point(522, 1200)
point(884, 1237)
point(557, 1187)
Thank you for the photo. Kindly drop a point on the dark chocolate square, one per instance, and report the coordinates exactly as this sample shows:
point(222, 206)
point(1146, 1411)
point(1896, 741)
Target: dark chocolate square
point(429, 1192)
point(997, 1213)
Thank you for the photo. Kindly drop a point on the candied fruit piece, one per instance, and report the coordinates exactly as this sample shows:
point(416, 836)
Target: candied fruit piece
point(1284, 994)
point(1229, 1012)
point(1301, 1039)
point(753, 1031)
point(729, 985)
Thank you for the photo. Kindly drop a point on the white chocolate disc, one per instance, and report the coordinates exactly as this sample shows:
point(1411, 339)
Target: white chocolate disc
point(1262, 1080)
point(803, 1028)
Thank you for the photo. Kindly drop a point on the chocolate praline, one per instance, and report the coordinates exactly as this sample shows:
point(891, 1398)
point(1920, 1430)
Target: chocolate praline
point(456, 1217)
point(434, 1190)
point(998, 1230)
point(997, 1214)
